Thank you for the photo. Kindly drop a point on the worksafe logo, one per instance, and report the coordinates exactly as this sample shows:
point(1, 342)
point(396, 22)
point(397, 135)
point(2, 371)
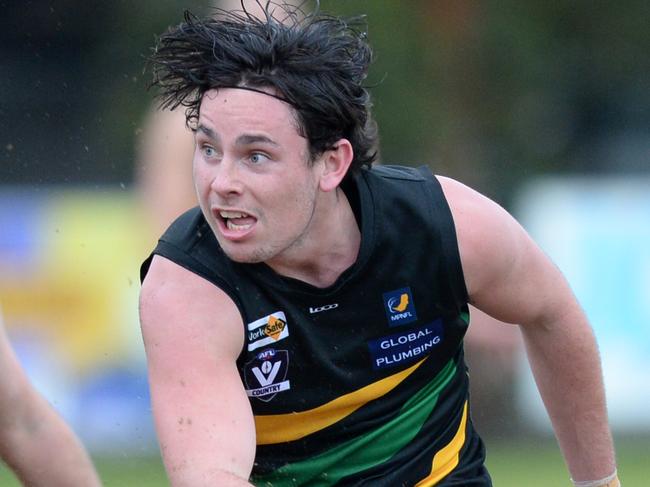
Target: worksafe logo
point(266, 374)
point(399, 307)
point(267, 330)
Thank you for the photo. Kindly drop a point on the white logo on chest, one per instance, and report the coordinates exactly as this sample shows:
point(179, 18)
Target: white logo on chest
point(267, 373)
point(323, 308)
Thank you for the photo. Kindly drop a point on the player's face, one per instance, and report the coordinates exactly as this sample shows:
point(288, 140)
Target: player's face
point(252, 174)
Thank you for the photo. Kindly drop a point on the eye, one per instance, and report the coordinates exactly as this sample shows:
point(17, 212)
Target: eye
point(208, 151)
point(258, 157)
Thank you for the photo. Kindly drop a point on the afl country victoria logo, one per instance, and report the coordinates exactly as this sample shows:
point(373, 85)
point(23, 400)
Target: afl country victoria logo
point(266, 374)
point(399, 307)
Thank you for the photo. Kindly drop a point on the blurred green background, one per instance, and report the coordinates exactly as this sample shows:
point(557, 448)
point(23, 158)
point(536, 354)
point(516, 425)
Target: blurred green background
point(491, 92)
point(494, 93)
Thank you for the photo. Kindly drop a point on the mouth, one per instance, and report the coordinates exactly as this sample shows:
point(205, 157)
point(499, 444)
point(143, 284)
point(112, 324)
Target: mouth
point(235, 222)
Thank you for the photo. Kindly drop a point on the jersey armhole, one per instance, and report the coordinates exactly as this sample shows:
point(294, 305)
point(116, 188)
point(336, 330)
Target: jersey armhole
point(453, 267)
point(177, 256)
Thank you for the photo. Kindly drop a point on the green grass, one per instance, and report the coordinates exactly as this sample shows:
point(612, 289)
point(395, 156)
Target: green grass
point(136, 472)
point(511, 464)
point(540, 464)
point(115, 472)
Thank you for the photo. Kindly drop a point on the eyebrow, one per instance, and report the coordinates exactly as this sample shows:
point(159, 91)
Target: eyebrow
point(247, 139)
point(207, 131)
point(242, 140)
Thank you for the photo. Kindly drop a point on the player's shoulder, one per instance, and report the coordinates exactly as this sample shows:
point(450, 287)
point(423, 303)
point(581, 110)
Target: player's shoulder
point(173, 299)
point(489, 237)
point(459, 196)
point(166, 283)
point(404, 173)
point(176, 303)
point(169, 285)
point(465, 201)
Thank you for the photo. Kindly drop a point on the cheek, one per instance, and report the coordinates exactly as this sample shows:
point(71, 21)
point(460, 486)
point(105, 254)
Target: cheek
point(287, 207)
point(201, 180)
point(300, 204)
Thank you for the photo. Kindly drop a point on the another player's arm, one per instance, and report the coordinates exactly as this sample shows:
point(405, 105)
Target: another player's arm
point(193, 335)
point(511, 279)
point(35, 442)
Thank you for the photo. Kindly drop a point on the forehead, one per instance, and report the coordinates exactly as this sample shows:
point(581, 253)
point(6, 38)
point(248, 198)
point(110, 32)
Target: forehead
point(235, 109)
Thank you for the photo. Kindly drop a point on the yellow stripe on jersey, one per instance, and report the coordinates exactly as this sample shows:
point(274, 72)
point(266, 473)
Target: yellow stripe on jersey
point(447, 458)
point(280, 428)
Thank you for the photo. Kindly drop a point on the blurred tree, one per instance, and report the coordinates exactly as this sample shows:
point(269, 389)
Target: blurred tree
point(490, 93)
point(493, 93)
point(72, 88)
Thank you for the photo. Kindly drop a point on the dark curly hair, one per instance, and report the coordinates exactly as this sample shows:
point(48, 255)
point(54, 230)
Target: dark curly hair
point(313, 61)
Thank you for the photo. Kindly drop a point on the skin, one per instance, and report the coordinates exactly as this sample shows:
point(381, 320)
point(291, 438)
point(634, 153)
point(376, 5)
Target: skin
point(164, 157)
point(35, 442)
point(251, 161)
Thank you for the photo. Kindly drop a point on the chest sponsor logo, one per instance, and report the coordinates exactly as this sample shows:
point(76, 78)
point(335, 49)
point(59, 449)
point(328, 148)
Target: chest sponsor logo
point(399, 306)
point(266, 374)
point(405, 347)
point(327, 307)
point(267, 331)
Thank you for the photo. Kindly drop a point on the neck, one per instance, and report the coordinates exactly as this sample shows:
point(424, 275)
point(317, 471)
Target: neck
point(329, 247)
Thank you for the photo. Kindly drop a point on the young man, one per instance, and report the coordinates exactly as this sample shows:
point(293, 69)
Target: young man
point(34, 441)
point(304, 325)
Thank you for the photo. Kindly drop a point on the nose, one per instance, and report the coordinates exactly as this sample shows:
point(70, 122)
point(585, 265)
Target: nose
point(226, 179)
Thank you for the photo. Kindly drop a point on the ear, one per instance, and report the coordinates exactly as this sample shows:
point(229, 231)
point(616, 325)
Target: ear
point(336, 163)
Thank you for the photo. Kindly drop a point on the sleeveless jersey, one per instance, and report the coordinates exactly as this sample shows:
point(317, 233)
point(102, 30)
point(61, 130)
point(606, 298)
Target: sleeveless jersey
point(362, 382)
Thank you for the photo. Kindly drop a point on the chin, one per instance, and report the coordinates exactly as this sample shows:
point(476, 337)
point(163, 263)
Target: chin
point(242, 259)
point(242, 256)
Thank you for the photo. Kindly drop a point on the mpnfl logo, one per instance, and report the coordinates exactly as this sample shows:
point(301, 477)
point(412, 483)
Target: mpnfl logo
point(323, 308)
point(399, 307)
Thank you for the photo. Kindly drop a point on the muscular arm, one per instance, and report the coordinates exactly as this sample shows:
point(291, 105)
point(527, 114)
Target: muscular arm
point(193, 334)
point(34, 441)
point(511, 279)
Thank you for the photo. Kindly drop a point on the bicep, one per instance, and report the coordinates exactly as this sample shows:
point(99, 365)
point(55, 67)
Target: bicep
point(193, 335)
